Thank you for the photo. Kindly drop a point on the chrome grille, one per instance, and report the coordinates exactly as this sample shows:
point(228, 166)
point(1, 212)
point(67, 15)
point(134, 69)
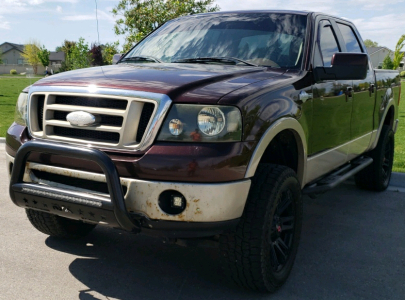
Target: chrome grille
point(127, 120)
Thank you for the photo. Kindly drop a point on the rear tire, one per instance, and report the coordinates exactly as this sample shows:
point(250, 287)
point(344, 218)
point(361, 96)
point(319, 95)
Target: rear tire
point(376, 177)
point(58, 226)
point(260, 253)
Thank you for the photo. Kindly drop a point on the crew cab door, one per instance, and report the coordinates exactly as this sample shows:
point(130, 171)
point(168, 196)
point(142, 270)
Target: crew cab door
point(332, 105)
point(332, 108)
point(363, 99)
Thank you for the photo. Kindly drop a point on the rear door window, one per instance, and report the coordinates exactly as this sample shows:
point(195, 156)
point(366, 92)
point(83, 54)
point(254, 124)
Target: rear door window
point(352, 44)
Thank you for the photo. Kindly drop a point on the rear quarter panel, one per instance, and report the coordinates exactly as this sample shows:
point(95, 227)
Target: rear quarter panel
point(387, 93)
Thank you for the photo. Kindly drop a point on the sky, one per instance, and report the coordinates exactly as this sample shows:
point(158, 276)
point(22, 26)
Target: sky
point(52, 21)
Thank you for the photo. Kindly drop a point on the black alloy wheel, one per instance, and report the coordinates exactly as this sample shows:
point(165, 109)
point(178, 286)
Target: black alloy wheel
point(281, 231)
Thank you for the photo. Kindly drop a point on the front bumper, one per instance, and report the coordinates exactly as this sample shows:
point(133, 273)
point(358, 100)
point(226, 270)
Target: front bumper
point(210, 207)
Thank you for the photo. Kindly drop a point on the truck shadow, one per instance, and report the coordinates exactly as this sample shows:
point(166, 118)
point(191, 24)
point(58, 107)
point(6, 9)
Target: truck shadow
point(339, 257)
point(120, 265)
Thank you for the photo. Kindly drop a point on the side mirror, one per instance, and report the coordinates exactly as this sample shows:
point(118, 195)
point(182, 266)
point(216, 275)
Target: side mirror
point(344, 66)
point(116, 58)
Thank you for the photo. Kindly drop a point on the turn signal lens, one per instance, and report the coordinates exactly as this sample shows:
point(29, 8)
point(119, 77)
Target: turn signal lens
point(175, 127)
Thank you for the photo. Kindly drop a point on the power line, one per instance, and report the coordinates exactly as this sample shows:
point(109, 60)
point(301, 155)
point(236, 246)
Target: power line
point(98, 34)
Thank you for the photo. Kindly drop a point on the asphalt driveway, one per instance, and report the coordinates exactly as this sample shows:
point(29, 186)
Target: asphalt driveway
point(352, 247)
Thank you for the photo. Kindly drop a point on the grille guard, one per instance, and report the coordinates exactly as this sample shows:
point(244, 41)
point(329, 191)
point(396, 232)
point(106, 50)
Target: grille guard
point(69, 204)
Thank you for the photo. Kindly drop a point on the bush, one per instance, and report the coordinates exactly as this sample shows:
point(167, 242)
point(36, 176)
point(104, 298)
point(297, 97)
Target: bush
point(13, 72)
point(402, 74)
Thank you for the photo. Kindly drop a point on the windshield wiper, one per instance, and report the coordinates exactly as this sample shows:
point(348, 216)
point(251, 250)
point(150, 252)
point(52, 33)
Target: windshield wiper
point(213, 59)
point(141, 58)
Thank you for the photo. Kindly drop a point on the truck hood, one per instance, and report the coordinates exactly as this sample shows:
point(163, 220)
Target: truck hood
point(183, 83)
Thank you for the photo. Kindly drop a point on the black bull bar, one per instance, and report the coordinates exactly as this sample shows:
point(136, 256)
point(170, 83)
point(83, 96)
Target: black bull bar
point(72, 204)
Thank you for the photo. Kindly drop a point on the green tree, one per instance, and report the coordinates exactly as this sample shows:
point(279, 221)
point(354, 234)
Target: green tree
point(31, 50)
point(43, 56)
point(387, 63)
point(67, 48)
point(370, 43)
point(77, 55)
point(139, 17)
point(108, 51)
point(80, 56)
point(397, 54)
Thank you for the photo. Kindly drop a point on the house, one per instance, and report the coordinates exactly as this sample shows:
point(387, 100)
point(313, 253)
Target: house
point(377, 55)
point(56, 58)
point(11, 53)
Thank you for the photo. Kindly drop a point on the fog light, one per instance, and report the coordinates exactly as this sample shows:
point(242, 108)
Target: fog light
point(178, 202)
point(175, 127)
point(172, 202)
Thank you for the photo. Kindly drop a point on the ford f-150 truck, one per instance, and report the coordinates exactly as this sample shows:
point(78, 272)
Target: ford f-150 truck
point(212, 127)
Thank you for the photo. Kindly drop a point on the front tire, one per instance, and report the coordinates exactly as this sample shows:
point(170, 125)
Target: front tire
point(377, 176)
point(260, 253)
point(58, 226)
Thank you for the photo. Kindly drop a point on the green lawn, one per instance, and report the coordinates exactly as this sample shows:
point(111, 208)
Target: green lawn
point(399, 161)
point(20, 76)
point(10, 88)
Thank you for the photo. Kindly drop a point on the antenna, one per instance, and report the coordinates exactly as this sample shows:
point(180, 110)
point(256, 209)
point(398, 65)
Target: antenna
point(98, 34)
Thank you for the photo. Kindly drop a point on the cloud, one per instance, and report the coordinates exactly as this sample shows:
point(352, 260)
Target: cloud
point(59, 9)
point(102, 15)
point(378, 4)
point(323, 6)
point(386, 29)
point(4, 24)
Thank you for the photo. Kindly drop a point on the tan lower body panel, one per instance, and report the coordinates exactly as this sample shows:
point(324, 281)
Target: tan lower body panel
point(328, 161)
point(208, 202)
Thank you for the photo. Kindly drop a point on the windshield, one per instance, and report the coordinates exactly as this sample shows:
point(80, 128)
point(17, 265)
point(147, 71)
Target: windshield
point(266, 39)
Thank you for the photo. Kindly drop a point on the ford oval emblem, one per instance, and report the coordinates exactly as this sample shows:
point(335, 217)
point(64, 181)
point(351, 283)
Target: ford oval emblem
point(82, 119)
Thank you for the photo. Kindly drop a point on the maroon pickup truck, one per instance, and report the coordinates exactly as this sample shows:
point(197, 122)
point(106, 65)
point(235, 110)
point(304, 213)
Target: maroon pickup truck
point(210, 128)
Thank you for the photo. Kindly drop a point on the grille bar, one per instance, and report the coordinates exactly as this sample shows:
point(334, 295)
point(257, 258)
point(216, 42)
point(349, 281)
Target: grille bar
point(95, 128)
point(93, 110)
point(105, 119)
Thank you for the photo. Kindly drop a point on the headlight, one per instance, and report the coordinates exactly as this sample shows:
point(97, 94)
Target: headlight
point(211, 121)
point(201, 123)
point(20, 116)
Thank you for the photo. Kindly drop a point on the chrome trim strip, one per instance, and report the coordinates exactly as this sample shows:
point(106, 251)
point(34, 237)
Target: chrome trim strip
point(206, 202)
point(162, 101)
point(278, 126)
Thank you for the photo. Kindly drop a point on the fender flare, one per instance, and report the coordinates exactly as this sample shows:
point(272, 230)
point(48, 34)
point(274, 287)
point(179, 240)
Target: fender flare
point(280, 125)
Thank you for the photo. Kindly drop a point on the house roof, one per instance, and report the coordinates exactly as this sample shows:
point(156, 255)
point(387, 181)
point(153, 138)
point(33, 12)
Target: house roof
point(57, 56)
point(372, 50)
point(14, 46)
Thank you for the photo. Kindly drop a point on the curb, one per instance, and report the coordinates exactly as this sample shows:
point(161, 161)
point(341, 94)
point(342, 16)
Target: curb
point(2, 140)
point(397, 180)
